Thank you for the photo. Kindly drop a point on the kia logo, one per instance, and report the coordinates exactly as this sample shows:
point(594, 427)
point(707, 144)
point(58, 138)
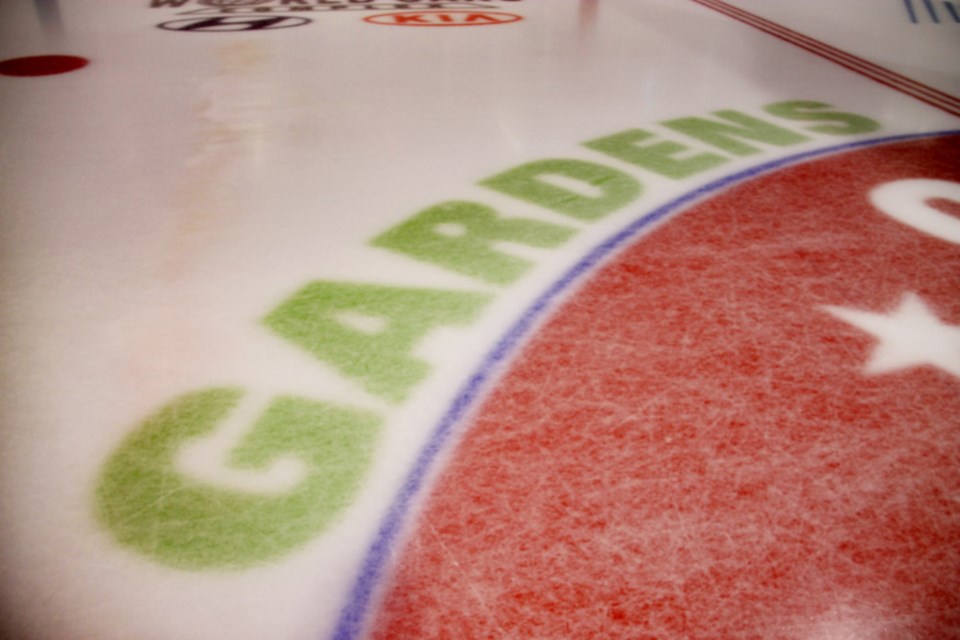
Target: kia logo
point(442, 18)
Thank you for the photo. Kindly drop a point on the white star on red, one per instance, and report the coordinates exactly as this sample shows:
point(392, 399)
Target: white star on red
point(909, 336)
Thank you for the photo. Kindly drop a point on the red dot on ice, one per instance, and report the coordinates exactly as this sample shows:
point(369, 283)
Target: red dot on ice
point(41, 65)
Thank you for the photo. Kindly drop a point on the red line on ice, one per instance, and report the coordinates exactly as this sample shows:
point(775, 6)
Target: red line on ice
point(886, 77)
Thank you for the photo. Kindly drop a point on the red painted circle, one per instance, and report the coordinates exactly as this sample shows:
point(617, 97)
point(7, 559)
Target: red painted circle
point(32, 66)
point(690, 447)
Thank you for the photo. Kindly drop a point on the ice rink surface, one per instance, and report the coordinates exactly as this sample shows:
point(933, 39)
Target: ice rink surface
point(529, 319)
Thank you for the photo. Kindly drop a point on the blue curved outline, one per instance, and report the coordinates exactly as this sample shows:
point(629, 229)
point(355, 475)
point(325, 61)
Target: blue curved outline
point(352, 616)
